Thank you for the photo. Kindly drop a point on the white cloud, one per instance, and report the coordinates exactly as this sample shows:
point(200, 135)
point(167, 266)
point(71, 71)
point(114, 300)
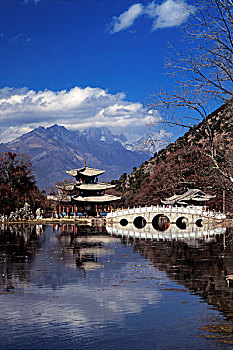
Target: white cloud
point(12, 132)
point(126, 19)
point(35, 1)
point(171, 13)
point(22, 110)
point(16, 38)
point(94, 304)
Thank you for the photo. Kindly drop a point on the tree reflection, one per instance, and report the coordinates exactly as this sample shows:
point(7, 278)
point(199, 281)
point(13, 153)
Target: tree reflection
point(18, 246)
point(202, 269)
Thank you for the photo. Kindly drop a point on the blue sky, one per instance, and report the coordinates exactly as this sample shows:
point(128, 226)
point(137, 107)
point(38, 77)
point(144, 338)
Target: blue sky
point(83, 63)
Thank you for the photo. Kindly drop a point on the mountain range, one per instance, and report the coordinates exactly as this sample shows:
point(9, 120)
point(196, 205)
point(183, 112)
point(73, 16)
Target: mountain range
point(56, 149)
point(187, 164)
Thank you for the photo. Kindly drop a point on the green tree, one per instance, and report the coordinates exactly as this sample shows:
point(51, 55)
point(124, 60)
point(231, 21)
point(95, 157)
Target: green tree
point(17, 183)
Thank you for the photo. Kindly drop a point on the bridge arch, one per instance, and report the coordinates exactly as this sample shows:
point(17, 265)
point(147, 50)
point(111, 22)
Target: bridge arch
point(161, 222)
point(124, 222)
point(139, 222)
point(182, 222)
point(200, 223)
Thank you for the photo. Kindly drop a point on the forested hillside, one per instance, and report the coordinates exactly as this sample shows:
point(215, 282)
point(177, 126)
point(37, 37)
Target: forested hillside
point(186, 164)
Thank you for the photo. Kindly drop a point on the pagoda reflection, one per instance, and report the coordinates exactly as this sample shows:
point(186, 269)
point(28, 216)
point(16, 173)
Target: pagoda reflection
point(86, 244)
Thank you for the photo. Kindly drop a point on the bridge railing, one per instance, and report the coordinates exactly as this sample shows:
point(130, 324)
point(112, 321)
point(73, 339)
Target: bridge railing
point(166, 210)
point(153, 234)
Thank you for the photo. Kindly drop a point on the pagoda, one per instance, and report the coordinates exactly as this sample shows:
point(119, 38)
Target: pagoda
point(194, 197)
point(85, 195)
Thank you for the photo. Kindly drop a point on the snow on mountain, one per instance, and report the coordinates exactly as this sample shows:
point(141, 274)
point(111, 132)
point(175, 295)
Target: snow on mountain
point(56, 149)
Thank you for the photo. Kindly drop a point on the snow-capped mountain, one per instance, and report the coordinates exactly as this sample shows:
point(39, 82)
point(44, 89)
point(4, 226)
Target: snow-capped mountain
point(56, 149)
point(104, 135)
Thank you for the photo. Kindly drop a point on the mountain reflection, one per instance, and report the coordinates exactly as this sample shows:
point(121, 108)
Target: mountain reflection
point(200, 264)
point(66, 254)
point(81, 276)
point(28, 254)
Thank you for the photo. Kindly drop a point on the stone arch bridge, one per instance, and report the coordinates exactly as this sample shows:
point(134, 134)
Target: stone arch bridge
point(163, 218)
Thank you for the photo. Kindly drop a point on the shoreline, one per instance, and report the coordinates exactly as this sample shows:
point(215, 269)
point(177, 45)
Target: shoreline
point(95, 221)
point(47, 221)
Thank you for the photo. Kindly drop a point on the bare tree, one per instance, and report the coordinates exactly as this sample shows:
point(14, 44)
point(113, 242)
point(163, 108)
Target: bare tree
point(203, 75)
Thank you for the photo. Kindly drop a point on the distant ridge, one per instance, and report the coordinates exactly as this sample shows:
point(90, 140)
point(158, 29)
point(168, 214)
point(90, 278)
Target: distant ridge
point(183, 165)
point(56, 149)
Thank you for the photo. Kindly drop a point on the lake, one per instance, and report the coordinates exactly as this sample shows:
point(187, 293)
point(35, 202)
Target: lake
point(82, 287)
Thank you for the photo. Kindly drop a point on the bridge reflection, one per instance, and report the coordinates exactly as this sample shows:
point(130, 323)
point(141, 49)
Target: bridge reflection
point(191, 236)
point(199, 261)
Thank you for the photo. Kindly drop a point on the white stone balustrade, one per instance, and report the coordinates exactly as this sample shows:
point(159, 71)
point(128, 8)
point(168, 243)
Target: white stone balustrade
point(167, 210)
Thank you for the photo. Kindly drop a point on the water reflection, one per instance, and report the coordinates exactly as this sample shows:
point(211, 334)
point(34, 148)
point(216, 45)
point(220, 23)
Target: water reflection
point(18, 247)
point(65, 257)
point(82, 287)
point(200, 260)
point(192, 236)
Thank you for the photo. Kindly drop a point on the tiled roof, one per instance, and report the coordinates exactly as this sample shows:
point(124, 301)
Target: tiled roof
point(85, 171)
point(97, 199)
point(59, 198)
point(95, 187)
point(66, 187)
point(193, 194)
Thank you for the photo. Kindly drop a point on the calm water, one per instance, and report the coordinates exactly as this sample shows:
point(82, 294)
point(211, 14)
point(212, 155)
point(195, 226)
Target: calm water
point(72, 287)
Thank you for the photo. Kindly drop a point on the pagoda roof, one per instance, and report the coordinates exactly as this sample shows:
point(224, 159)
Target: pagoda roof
point(91, 265)
point(85, 171)
point(95, 187)
point(97, 199)
point(67, 187)
point(59, 198)
point(193, 194)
